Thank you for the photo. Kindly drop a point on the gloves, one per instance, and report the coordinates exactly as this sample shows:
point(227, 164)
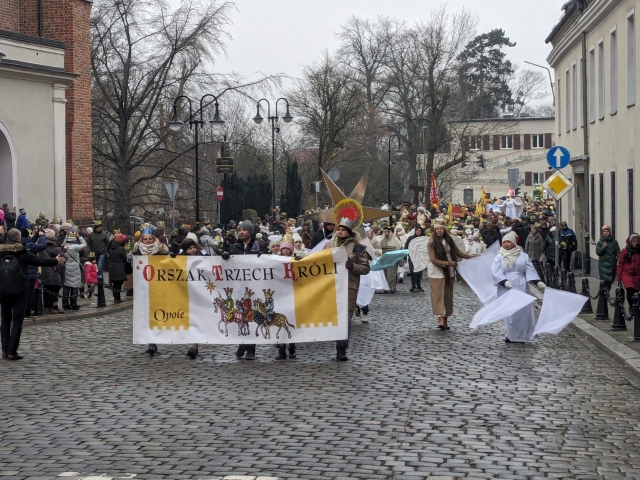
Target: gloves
point(259, 253)
point(349, 264)
point(541, 285)
point(225, 255)
point(297, 257)
point(507, 284)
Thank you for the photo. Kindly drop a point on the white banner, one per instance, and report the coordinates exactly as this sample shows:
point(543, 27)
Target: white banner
point(244, 300)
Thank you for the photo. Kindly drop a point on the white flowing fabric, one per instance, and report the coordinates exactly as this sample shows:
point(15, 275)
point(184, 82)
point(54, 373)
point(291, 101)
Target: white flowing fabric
point(477, 273)
point(503, 307)
point(521, 324)
point(418, 253)
point(369, 283)
point(558, 310)
point(320, 245)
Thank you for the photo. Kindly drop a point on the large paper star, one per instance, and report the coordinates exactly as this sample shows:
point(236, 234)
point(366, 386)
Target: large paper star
point(357, 194)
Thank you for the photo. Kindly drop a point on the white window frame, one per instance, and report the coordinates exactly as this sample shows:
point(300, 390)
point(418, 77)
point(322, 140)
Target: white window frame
point(537, 140)
point(613, 72)
point(574, 87)
point(631, 59)
point(601, 79)
point(567, 86)
point(592, 85)
point(475, 142)
point(559, 109)
point(506, 142)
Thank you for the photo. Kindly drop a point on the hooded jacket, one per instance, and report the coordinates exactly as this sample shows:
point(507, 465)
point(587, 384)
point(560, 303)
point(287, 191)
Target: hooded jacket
point(608, 258)
point(25, 258)
point(98, 242)
point(73, 266)
point(628, 271)
point(51, 275)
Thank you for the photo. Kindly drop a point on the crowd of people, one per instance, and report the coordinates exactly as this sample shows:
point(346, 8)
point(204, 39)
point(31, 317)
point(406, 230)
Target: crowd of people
point(69, 261)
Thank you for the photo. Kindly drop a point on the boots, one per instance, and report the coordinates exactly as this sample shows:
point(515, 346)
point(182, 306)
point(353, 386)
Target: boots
point(152, 349)
point(341, 354)
point(66, 293)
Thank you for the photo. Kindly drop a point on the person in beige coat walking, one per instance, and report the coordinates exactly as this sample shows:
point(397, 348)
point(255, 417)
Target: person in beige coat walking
point(441, 270)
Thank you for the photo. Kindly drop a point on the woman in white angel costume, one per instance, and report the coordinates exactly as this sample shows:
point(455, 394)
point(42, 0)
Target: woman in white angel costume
point(513, 269)
point(511, 207)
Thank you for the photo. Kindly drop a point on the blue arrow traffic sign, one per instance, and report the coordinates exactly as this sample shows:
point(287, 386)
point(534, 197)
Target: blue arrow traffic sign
point(558, 157)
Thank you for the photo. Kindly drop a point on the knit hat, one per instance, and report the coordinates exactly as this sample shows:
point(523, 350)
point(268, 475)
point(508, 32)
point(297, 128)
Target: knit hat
point(246, 225)
point(89, 230)
point(286, 245)
point(187, 243)
point(510, 237)
point(49, 234)
point(552, 229)
point(297, 237)
point(204, 231)
point(192, 236)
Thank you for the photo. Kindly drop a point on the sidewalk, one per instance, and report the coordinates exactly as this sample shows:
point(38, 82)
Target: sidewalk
point(619, 344)
point(88, 309)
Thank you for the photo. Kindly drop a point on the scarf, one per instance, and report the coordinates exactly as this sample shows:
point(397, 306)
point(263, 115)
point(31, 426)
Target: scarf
point(509, 257)
point(149, 249)
point(338, 242)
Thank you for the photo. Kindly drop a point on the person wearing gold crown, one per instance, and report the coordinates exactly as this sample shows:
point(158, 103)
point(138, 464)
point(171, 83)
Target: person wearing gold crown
point(348, 217)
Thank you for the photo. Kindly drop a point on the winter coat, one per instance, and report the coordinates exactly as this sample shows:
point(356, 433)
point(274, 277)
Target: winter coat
point(629, 269)
point(25, 258)
point(90, 273)
point(358, 254)
point(608, 258)
point(490, 236)
point(320, 236)
point(568, 240)
point(22, 222)
point(31, 246)
point(549, 248)
point(117, 262)
point(533, 246)
point(436, 266)
point(98, 242)
point(9, 220)
point(51, 275)
point(73, 266)
point(208, 244)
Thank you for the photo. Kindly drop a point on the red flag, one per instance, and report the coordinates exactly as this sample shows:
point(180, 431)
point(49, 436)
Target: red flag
point(433, 196)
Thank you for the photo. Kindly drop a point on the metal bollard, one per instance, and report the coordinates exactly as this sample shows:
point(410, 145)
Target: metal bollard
point(554, 282)
point(102, 302)
point(636, 316)
point(602, 312)
point(39, 311)
point(571, 283)
point(538, 268)
point(563, 279)
point(587, 308)
point(618, 317)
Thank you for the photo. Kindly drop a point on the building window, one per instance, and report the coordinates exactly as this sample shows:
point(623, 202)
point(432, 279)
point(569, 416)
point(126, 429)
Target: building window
point(537, 140)
point(506, 141)
point(631, 60)
point(475, 142)
point(559, 109)
point(592, 85)
point(613, 204)
point(574, 100)
point(581, 93)
point(630, 195)
point(613, 74)
point(592, 207)
point(538, 178)
point(601, 198)
point(600, 80)
point(567, 116)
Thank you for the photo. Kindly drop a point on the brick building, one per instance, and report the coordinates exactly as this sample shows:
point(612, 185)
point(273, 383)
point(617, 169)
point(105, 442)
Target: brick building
point(45, 107)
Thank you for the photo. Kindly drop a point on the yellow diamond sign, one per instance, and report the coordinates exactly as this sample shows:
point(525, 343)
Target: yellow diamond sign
point(557, 185)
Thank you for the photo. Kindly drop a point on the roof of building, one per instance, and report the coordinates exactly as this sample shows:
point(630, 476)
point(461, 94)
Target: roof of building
point(31, 39)
point(503, 119)
point(569, 8)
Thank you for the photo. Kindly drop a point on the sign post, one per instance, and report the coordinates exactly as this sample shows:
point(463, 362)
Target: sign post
point(172, 189)
point(557, 185)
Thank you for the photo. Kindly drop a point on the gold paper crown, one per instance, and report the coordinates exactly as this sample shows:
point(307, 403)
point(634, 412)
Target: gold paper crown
point(348, 213)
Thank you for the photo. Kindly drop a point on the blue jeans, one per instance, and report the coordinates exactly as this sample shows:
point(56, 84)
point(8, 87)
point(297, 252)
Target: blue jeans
point(100, 265)
point(344, 344)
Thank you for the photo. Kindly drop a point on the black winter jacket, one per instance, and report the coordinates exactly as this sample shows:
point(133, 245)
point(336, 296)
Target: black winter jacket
point(25, 258)
point(117, 261)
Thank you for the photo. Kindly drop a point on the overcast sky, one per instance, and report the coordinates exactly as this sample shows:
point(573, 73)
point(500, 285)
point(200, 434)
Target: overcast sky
point(280, 36)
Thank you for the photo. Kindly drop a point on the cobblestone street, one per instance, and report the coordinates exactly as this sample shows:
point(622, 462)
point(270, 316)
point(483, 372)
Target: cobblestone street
point(412, 402)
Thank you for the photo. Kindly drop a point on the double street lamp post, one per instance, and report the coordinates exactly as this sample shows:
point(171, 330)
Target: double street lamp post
point(274, 129)
point(176, 124)
point(398, 151)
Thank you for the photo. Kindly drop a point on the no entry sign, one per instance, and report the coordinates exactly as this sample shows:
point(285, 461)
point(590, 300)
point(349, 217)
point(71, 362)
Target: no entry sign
point(220, 193)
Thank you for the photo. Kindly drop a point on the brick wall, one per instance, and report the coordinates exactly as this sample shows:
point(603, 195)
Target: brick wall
point(9, 15)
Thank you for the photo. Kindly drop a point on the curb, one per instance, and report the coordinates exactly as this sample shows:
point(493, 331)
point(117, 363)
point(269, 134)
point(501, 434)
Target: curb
point(89, 313)
point(625, 355)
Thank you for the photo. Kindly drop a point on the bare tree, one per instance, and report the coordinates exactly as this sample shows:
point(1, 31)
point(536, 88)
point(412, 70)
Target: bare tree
point(528, 86)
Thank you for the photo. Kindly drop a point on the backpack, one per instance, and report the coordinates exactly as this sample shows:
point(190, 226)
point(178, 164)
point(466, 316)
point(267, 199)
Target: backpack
point(12, 281)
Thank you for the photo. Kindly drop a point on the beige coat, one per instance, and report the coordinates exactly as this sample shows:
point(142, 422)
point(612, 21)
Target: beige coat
point(435, 266)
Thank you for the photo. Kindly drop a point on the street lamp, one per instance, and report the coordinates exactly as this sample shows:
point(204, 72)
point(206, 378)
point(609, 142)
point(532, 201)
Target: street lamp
point(216, 123)
point(287, 117)
point(399, 151)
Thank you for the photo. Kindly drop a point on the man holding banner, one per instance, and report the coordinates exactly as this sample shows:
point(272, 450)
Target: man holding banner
point(348, 216)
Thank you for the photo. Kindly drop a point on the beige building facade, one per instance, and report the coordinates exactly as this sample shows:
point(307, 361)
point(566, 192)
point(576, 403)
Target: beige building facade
point(605, 167)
